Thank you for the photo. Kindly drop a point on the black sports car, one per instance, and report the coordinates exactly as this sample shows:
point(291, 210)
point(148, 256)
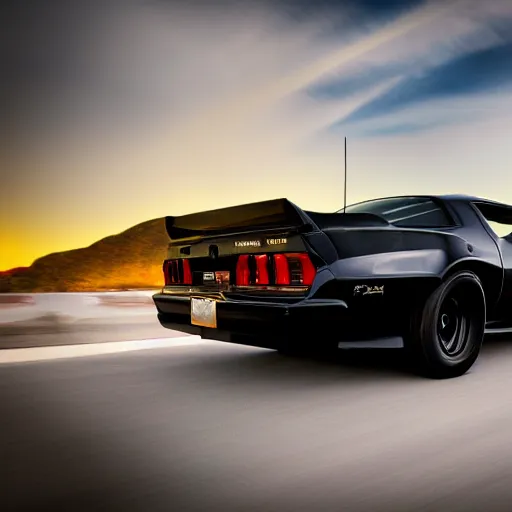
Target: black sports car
point(426, 273)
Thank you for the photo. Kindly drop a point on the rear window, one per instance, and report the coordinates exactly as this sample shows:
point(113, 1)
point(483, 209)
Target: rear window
point(413, 212)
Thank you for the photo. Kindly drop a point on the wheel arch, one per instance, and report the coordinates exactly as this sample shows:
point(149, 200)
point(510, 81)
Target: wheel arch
point(490, 276)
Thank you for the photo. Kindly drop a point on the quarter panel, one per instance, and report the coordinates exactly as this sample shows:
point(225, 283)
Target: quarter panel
point(393, 264)
point(385, 241)
point(386, 272)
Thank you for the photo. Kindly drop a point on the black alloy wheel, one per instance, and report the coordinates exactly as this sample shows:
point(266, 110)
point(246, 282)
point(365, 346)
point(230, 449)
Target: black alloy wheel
point(448, 329)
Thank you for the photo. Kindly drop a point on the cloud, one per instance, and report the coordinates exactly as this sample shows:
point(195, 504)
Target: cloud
point(165, 76)
point(162, 72)
point(469, 57)
point(440, 113)
point(400, 129)
point(479, 72)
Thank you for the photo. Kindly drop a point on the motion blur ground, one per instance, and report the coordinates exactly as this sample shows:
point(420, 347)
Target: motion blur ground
point(39, 320)
point(204, 425)
point(215, 426)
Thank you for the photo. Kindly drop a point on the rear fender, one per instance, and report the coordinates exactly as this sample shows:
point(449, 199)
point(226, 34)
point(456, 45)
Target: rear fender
point(421, 262)
point(388, 280)
point(400, 279)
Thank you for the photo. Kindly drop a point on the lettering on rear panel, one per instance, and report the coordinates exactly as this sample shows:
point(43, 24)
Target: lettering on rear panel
point(247, 243)
point(277, 241)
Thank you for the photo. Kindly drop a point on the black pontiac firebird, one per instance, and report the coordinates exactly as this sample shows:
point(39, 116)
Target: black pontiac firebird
point(426, 273)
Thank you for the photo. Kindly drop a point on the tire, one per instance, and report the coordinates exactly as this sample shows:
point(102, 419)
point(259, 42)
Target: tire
point(447, 331)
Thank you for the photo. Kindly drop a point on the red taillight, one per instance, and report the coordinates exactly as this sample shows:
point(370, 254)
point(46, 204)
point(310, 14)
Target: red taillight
point(167, 278)
point(308, 269)
point(282, 271)
point(289, 269)
point(262, 269)
point(177, 272)
point(294, 269)
point(301, 269)
point(242, 270)
point(187, 274)
point(170, 272)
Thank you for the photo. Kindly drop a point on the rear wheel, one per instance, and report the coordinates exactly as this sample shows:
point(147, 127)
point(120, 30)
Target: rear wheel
point(448, 329)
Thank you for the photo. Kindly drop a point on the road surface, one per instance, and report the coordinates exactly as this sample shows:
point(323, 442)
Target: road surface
point(213, 426)
point(53, 319)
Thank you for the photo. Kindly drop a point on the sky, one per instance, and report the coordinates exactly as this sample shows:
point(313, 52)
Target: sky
point(115, 112)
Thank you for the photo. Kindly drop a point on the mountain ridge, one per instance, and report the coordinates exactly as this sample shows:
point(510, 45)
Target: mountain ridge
point(131, 259)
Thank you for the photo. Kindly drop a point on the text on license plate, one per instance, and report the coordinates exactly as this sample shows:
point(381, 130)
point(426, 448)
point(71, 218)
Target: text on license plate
point(203, 312)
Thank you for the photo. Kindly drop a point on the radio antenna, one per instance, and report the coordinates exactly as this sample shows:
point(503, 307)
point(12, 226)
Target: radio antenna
point(345, 185)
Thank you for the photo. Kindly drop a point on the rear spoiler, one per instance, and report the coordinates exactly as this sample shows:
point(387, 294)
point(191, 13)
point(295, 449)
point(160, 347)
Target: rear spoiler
point(246, 218)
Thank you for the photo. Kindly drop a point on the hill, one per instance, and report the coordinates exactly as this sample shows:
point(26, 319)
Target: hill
point(131, 259)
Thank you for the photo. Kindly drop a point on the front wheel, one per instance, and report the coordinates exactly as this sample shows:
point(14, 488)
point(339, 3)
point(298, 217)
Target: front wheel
point(447, 331)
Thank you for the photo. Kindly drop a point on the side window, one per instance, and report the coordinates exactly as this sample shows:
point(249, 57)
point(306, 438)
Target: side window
point(498, 218)
point(426, 214)
point(501, 230)
point(413, 212)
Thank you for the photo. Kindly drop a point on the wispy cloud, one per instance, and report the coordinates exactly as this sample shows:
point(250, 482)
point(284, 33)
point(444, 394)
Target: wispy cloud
point(469, 57)
point(483, 72)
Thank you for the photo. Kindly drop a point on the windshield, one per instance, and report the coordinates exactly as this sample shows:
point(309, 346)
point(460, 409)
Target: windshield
point(405, 211)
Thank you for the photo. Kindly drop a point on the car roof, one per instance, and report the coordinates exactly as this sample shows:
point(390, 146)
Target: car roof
point(446, 197)
point(474, 199)
point(491, 210)
point(468, 198)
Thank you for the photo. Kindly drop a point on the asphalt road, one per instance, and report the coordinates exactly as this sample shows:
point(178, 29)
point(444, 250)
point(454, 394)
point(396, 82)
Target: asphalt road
point(45, 332)
point(53, 319)
point(214, 426)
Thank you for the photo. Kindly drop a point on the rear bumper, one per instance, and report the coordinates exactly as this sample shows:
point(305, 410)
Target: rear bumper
point(269, 324)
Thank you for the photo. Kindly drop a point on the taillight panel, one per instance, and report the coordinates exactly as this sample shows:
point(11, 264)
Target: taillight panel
point(272, 269)
point(277, 269)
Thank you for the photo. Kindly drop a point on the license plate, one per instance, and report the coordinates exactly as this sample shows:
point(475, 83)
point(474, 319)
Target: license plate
point(203, 312)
